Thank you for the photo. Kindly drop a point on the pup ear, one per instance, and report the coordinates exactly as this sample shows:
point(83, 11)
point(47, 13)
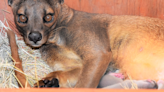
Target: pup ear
point(61, 1)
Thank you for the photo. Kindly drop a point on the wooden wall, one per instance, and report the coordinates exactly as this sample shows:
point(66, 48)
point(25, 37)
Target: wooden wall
point(151, 8)
point(4, 6)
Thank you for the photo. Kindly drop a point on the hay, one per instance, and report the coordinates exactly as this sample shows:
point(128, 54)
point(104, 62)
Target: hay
point(34, 67)
point(133, 84)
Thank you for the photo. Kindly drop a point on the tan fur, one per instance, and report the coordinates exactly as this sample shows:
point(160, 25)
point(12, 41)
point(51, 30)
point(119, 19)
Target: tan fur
point(141, 53)
point(67, 66)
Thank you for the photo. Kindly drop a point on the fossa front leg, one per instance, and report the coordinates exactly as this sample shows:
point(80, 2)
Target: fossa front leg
point(93, 71)
point(87, 76)
point(62, 79)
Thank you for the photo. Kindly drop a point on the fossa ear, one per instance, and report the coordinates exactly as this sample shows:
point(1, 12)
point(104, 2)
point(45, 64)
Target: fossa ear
point(61, 1)
point(12, 2)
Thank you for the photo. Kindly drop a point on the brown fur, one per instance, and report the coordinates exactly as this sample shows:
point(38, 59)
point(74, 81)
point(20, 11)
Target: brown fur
point(79, 45)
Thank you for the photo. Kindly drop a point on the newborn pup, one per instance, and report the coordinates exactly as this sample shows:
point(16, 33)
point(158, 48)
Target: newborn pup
point(112, 82)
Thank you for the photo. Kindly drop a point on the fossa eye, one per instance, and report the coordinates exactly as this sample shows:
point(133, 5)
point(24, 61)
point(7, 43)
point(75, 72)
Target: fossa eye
point(22, 19)
point(48, 18)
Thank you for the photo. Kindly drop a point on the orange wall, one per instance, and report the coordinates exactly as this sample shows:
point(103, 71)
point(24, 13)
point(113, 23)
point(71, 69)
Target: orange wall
point(152, 8)
point(75, 90)
point(4, 6)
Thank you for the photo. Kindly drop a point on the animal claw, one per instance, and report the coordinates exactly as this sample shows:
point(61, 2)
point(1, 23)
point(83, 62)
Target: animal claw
point(48, 84)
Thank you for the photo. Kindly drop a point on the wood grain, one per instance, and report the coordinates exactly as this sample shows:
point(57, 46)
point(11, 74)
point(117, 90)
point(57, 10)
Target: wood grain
point(75, 90)
point(150, 8)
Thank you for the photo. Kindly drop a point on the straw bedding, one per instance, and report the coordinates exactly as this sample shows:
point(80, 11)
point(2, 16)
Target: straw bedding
point(34, 67)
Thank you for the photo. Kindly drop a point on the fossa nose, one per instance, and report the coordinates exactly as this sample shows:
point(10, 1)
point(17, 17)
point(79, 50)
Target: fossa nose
point(35, 37)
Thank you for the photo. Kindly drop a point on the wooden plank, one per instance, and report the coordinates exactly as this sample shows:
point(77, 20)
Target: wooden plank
point(160, 9)
point(74, 90)
point(148, 8)
point(151, 8)
point(73, 4)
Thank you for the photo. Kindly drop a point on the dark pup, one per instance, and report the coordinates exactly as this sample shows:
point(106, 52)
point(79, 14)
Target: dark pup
point(79, 46)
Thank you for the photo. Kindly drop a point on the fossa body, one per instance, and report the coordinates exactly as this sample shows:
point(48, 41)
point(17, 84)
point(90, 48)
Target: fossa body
point(79, 46)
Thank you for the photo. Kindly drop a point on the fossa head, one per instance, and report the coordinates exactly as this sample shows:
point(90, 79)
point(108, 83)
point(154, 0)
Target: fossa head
point(35, 19)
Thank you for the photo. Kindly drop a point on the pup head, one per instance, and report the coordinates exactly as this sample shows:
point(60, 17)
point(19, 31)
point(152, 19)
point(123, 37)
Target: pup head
point(35, 19)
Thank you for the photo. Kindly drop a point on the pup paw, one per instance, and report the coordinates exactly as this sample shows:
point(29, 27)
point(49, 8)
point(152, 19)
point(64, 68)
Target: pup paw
point(160, 84)
point(151, 84)
point(54, 83)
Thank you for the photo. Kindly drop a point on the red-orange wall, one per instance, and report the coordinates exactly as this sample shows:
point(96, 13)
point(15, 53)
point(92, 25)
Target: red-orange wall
point(4, 6)
point(152, 8)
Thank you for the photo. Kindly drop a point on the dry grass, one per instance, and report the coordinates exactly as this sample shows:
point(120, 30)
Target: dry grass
point(133, 85)
point(34, 67)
